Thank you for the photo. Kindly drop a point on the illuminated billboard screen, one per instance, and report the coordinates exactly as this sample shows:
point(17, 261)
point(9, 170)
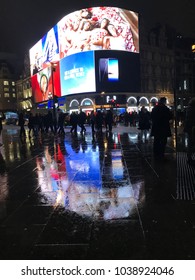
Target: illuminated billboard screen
point(77, 73)
point(117, 71)
point(97, 49)
point(45, 51)
point(83, 164)
point(43, 86)
point(98, 28)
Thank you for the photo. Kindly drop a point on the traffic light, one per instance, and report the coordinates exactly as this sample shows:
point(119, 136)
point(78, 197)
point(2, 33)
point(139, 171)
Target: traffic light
point(112, 102)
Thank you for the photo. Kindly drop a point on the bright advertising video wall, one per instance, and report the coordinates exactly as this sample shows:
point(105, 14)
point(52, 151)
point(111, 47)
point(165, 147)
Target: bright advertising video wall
point(76, 41)
point(44, 85)
point(78, 73)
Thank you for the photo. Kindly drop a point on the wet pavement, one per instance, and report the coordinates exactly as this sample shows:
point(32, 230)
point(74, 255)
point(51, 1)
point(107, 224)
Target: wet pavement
point(91, 197)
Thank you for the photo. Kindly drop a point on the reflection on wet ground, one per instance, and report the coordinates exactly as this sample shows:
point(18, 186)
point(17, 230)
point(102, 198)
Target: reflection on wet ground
point(90, 197)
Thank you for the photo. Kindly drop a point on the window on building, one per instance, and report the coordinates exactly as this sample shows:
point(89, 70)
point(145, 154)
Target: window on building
point(13, 83)
point(6, 94)
point(14, 95)
point(6, 89)
point(185, 86)
point(13, 89)
point(6, 83)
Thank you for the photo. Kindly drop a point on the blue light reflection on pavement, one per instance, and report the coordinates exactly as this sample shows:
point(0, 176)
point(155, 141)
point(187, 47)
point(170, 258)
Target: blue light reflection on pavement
point(81, 181)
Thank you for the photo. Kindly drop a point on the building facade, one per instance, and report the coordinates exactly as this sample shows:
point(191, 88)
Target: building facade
point(166, 69)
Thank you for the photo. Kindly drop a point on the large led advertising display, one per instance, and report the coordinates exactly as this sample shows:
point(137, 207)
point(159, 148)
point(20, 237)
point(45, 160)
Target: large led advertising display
point(45, 52)
point(46, 83)
point(117, 71)
point(98, 28)
point(97, 49)
point(78, 73)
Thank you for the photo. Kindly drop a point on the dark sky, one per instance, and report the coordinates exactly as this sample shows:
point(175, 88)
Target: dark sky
point(24, 22)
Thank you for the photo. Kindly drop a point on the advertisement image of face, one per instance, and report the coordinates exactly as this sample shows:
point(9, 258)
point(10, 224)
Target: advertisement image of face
point(42, 84)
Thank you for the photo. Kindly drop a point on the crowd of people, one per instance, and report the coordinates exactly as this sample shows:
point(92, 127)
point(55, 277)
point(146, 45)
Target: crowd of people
point(156, 124)
point(97, 120)
point(39, 123)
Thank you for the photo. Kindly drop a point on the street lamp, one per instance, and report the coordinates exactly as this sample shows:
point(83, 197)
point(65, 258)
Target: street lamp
point(53, 69)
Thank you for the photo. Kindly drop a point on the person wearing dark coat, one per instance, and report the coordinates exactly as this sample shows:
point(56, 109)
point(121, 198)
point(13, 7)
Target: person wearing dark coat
point(61, 120)
point(30, 124)
point(49, 122)
point(74, 122)
point(21, 122)
point(109, 120)
point(2, 117)
point(161, 116)
point(144, 121)
point(82, 119)
point(99, 121)
point(92, 121)
point(189, 128)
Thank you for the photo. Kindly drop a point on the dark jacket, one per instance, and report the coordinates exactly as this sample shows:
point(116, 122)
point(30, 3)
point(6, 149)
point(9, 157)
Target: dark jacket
point(2, 117)
point(144, 120)
point(161, 116)
point(189, 122)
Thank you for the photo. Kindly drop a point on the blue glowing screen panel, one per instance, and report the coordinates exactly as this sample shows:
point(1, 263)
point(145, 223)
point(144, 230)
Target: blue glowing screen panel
point(78, 73)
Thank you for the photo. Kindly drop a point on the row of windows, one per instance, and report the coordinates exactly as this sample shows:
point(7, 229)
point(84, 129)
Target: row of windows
point(8, 95)
point(158, 57)
point(6, 83)
point(7, 89)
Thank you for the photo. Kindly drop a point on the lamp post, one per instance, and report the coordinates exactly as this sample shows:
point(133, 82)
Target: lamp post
point(53, 69)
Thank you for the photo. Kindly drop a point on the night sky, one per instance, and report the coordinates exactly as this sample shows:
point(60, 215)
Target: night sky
point(23, 22)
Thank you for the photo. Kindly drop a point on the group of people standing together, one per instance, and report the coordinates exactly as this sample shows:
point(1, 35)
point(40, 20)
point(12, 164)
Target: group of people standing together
point(41, 123)
point(156, 122)
point(159, 120)
point(96, 119)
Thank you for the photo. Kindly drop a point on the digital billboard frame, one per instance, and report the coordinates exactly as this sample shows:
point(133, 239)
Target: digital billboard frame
point(111, 33)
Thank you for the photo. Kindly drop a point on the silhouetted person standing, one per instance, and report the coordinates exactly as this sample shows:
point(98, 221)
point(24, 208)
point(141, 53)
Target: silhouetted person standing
point(49, 122)
point(74, 122)
point(99, 121)
point(61, 120)
point(30, 124)
point(144, 122)
point(21, 123)
point(92, 121)
point(2, 117)
point(161, 116)
point(82, 120)
point(109, 120)
point(189, 128)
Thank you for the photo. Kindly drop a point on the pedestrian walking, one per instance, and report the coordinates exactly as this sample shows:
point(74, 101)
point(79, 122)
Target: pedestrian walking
point(82, 120)
point(109, 120)
point(189, 128)
point(49, 122)
point(161, 116)
point(61, 119)
point(21, 122)
point(2, 117)
point(74, 122)
point(30, 124)
point(144, 122)
point(99, 121)
point(92, 121)
point(36, 124)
